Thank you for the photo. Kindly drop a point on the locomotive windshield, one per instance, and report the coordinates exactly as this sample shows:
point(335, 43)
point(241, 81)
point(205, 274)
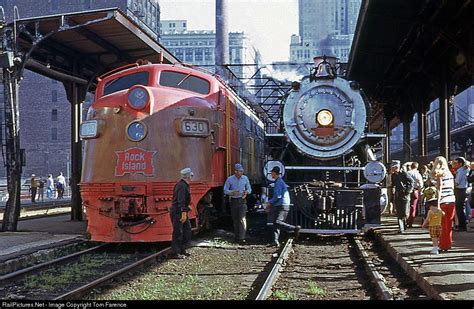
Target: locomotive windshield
point(125, 82)
point(184, 81)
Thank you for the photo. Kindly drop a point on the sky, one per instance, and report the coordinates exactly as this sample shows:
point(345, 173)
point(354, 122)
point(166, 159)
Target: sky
point(269, 23)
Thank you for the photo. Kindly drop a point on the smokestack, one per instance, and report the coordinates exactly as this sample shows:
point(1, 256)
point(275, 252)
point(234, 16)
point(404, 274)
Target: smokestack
point(222, 36)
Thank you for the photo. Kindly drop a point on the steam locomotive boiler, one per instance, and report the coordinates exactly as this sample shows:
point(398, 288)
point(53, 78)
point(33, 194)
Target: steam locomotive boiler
point(328, 155)
point(148, 121)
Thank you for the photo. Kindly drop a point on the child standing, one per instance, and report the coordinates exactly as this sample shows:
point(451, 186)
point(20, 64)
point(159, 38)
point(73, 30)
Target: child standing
point(433, 221)
point(429, 195)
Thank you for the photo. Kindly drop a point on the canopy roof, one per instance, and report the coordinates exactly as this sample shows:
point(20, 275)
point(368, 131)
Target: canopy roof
point(403, 52)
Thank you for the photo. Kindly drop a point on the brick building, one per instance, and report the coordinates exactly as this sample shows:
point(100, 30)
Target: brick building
point(45, 123)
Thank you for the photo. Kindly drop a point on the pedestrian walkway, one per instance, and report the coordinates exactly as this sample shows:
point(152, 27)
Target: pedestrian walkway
point(30, 210)
point(37, 234)
point(448, 275)
point(46, 202)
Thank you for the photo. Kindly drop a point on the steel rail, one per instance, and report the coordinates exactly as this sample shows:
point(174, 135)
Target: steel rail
point(275, 272)
point(19, 274)
point(377, 279)
point(81, 291)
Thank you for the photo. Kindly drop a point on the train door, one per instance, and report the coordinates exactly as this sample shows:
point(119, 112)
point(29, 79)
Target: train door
point(219, 128)
point(232, 135)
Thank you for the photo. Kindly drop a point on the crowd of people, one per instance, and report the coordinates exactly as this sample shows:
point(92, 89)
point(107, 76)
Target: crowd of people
point(54, 188)
point(439, 192)
point(236, 188)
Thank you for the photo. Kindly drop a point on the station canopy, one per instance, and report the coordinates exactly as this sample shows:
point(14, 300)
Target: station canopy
point(403, 51)
point(81, 46)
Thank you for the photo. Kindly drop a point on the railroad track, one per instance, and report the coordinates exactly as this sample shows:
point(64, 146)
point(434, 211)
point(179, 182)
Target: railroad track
point(86, 288)
point(294, 268)
point(75, 275)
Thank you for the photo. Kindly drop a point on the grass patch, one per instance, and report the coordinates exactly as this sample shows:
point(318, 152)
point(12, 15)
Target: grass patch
point(87, 267)
point(161, 287)
point(284, 295)
point(314, 289)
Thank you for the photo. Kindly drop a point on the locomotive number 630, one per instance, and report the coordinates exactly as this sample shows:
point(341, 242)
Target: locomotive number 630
point(194, 127)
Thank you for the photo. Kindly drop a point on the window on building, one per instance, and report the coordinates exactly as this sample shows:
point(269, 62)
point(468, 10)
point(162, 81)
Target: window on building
point(179, 54)
point(198, 55)
point(184, 81)
point(127, 81)
point(189, 55)
point(307, 54)
point(208, 54)
point(54, 96)
point(54, 134)
point(54, 115)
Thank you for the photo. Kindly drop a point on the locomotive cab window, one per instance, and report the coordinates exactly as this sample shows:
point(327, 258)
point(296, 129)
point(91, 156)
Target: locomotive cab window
point(125, 82)
point(184, 81)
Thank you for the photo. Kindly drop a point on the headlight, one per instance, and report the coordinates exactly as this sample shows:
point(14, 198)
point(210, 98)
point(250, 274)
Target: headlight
point(136, 131)
point(138, 97)
point(89, 129)
point(324, 117)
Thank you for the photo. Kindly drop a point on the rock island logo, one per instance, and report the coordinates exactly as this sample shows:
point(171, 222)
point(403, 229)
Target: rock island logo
point(135, 161)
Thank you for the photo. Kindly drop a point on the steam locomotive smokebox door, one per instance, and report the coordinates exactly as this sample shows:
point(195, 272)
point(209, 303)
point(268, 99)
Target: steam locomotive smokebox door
point(372, 205)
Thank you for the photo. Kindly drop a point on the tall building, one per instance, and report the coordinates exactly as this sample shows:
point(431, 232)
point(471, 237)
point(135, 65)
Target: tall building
point(197, 47)
point(326, 27)
point(45, 126)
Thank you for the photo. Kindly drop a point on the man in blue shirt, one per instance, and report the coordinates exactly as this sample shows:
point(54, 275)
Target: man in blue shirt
point(280, 202)
point(460, 189)
point(237, 187)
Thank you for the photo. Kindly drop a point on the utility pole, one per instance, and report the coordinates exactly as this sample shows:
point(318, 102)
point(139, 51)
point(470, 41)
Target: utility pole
point(11, 76)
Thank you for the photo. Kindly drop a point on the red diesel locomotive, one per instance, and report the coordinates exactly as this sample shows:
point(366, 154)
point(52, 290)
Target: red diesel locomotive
point(148, 122)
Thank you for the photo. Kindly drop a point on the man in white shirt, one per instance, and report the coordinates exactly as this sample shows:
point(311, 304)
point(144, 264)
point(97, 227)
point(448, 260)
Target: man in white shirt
point(418, 179)
point(237, 187)
point(61, 185)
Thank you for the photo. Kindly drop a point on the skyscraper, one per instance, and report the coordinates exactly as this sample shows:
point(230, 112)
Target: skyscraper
point(326, 27)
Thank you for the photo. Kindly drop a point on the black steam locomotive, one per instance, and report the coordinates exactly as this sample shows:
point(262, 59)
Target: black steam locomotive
point(327, 155)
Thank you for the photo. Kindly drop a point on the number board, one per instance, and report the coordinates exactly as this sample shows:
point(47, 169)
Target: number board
point(194, 127)
point(89, 129)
